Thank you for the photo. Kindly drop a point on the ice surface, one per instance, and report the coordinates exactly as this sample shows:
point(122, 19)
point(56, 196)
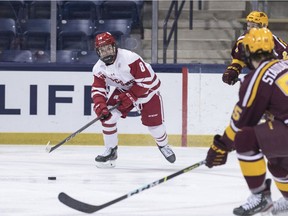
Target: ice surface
point(26, 191)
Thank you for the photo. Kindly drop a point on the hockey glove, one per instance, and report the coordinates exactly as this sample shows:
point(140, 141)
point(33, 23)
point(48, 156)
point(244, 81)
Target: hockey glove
point(102, 111)
point(231, 74)
point(126, 100)
point(217, 154)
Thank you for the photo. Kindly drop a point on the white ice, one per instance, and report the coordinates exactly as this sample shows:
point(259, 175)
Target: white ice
point(26, 191)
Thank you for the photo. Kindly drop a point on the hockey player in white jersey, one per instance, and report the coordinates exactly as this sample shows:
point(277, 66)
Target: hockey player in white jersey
point(136, 85)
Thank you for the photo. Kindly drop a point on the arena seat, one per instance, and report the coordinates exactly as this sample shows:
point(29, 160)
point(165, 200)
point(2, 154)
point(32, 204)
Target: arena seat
point(36, 34)
point(80, 10)
point(124, 10)
point(75, 34)
point(62, 56)
point(7, 33)
point(38, 9)
point(16, 56)
point(119, 28)
point(87, 57)
point(12, 9)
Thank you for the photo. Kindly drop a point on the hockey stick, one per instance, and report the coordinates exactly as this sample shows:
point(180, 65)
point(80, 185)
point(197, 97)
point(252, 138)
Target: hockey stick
point(52, 148)
point(87, 208)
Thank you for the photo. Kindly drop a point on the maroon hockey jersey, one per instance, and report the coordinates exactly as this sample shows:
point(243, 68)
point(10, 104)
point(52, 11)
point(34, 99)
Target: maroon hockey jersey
point(280, 50)
point(264, 89)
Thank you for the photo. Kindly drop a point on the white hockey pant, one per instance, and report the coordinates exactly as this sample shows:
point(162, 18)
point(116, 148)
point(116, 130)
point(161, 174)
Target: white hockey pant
point(110, 134)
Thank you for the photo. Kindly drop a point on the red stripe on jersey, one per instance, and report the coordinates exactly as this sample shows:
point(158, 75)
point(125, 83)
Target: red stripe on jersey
point(151, 81)
point(98, 96)
point(151, 90)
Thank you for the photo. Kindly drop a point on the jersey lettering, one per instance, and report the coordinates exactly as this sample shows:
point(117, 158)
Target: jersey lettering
point(142, 68)
point(284, 54)
point(271, 74)
point(117, 81)
point(236, 113)
point(282, 83)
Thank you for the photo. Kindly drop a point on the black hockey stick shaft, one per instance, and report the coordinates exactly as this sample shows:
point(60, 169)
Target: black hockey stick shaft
point(50, 149)
point(88, 208)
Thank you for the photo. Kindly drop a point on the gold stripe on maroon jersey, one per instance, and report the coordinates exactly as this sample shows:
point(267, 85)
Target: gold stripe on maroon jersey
point(257, 82)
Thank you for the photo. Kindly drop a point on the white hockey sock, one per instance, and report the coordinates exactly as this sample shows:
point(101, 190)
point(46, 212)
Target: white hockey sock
point(111, 140)
point(110, 135)
point(109, 128)
point(159, 134)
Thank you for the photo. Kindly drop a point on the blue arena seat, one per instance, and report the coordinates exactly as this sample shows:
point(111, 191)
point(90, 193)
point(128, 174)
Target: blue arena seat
point(7, 33)
point(38, 9)
point(12, 9)
point(36, 34)
point(119, 28)
point(16, 56)
point(66, 56)
point(131, 9)
point(80, 10)
point(62, 56)
point(75, 34)
point(87, 57)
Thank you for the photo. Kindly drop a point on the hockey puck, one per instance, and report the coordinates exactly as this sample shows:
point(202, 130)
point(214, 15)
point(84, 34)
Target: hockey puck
point(51, 178)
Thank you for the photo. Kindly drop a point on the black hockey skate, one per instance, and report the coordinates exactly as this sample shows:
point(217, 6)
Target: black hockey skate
point(107, 159)
point(167, 153)
point(256, 203)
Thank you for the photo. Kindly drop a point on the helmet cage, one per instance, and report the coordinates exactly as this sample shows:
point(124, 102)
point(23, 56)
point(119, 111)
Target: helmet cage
point(107, 53)
point(250, 25)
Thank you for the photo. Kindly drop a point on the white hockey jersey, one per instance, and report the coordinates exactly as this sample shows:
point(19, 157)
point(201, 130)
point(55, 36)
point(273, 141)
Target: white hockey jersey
point(128, 72)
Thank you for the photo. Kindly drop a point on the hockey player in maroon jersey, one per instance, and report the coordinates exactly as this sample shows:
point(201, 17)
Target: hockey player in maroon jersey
point(136, 85)
point(255, 19)
point(263, 89)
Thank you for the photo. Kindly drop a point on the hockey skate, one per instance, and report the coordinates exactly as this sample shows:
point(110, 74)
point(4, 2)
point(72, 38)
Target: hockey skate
point(256, 203)
point(280, 207)
point(107, 159)
point(167, 153)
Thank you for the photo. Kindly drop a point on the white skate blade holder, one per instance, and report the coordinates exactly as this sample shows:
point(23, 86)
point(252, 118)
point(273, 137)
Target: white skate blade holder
point(107, 164)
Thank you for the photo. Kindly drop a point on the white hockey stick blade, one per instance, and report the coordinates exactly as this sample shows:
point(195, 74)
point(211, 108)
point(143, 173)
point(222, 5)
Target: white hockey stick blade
point(48, 147)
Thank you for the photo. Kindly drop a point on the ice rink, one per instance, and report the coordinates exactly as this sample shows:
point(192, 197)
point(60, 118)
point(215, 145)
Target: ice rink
point(26, 191)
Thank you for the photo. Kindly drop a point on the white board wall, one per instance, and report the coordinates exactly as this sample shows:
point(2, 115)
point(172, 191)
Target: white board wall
point(210, 103)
